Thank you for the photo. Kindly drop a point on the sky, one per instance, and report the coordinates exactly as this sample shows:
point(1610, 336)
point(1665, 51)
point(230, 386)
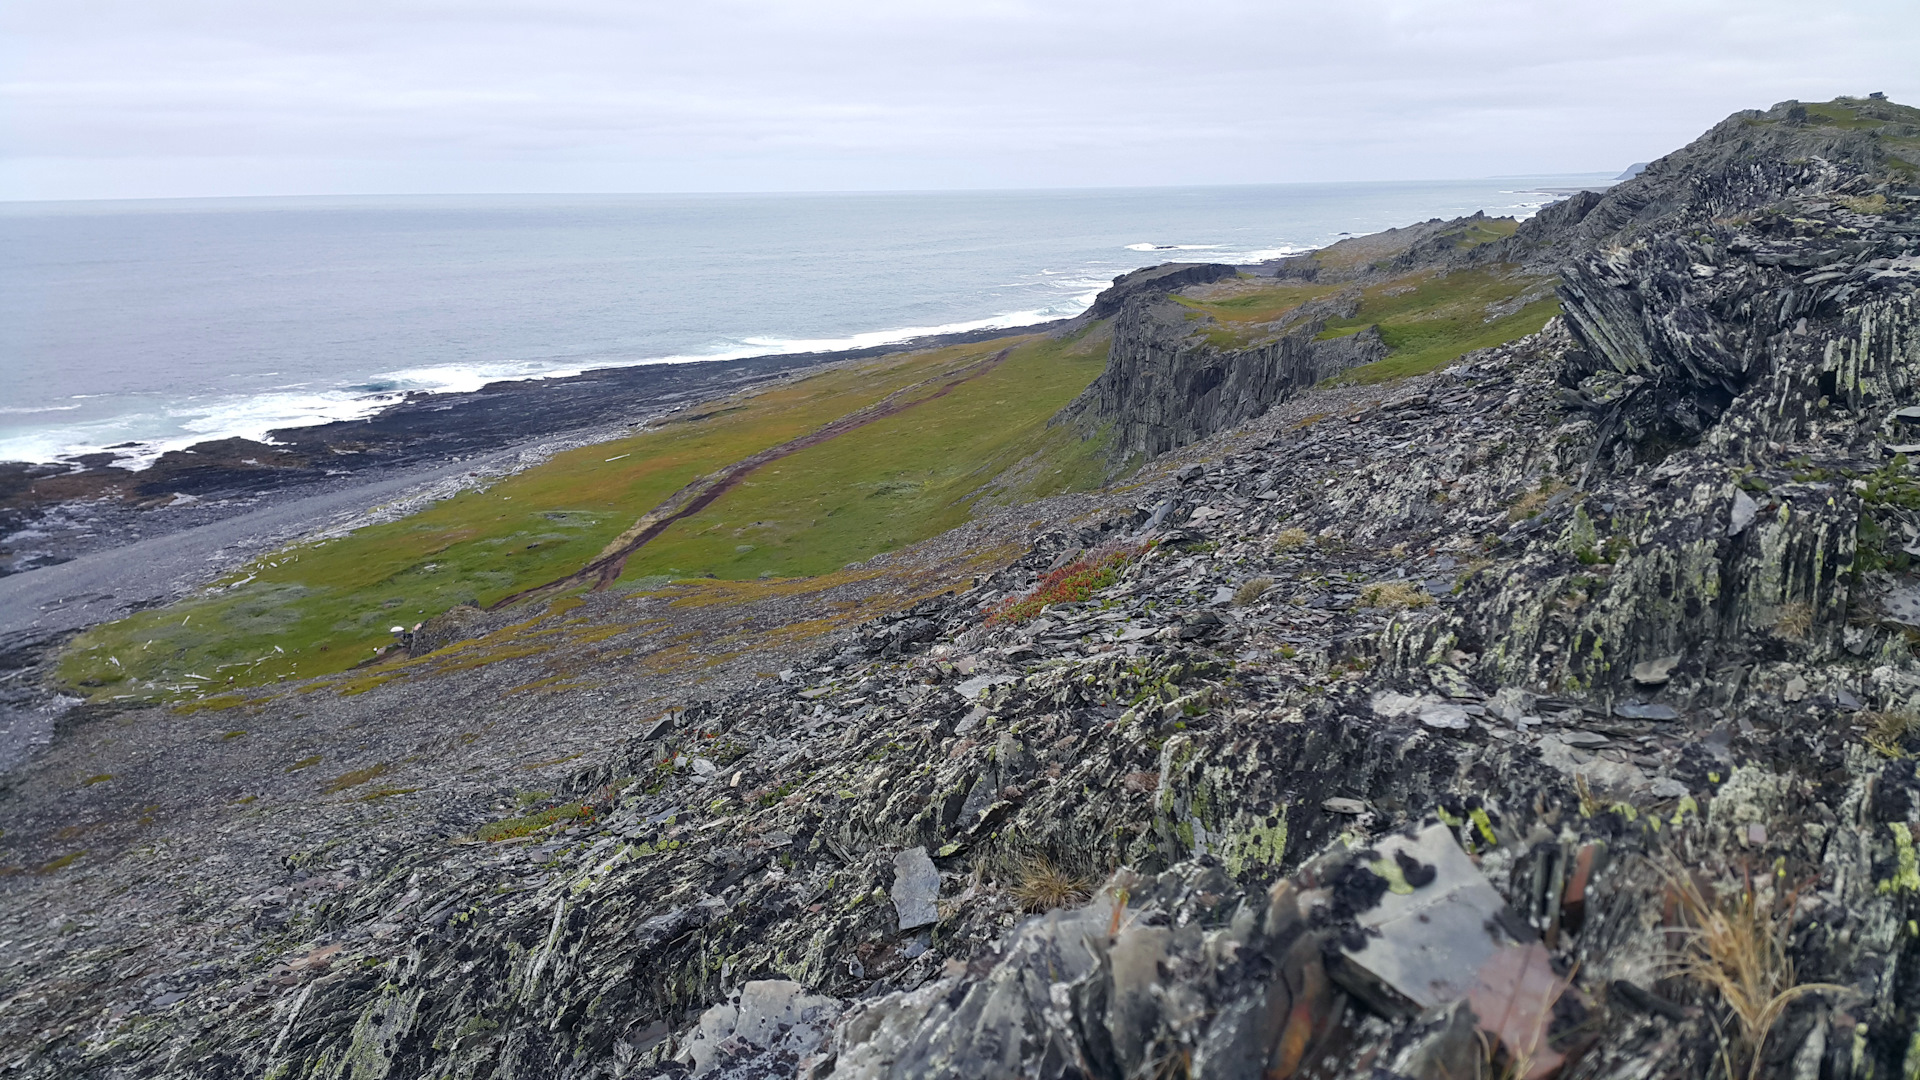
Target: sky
point(169, 98)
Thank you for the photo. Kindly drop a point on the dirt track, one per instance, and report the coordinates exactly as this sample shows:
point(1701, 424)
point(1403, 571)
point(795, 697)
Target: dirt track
point(606, 568)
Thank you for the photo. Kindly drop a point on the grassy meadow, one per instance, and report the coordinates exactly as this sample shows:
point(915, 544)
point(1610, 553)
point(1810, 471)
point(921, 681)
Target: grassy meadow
point(316, 609)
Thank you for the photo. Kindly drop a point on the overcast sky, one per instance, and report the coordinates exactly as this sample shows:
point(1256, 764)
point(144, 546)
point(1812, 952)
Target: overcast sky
point(128, 98)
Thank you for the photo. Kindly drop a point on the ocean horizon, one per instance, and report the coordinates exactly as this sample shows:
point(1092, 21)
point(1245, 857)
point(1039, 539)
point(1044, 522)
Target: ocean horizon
point(142, 326)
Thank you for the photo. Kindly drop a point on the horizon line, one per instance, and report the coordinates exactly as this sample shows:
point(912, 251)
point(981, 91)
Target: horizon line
point(8, 201)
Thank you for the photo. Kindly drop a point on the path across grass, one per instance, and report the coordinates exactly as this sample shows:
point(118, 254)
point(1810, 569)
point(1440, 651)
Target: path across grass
point(837, 477)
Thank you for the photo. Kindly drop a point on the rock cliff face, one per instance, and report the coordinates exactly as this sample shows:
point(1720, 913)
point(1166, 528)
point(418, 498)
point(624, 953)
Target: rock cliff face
point(1164, 388)
point(1454, 728)
point(1169, 383)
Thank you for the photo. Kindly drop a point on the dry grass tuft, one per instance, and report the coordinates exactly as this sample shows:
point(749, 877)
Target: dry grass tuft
point(1394, 595)
point(353, 779)
point(1889, 729)
point(1290, 540)
point(1739, 950)
point(1044, 886)
point(1251, 590)
point(1793, 621)
point(1532, 502)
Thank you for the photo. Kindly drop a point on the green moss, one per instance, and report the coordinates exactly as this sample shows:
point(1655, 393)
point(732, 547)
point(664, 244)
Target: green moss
point(1484, 825)
point(516, 827)
point(902, 479)
point(52, 866)
point(475, 1026)
point(353, 779)
point(1260, 846)
point(1396, 878)
point(1241, 319)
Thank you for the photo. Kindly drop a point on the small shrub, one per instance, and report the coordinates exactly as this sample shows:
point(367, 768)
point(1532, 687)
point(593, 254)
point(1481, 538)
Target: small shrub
point(1071, 583)
point(1394, 596)
point(1044, 887)
point(1290, 540)
point(1526, 505)
point(1251, 591)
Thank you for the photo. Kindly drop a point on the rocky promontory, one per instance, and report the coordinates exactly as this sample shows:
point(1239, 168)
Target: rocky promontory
point(1550, 713)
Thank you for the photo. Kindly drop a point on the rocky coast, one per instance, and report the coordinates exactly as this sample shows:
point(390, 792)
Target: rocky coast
point(1408, 705)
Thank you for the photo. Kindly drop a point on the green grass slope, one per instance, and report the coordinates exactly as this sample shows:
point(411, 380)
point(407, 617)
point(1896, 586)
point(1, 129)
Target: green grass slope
point(902, 479)
point(315, 609)
point(1428, 320)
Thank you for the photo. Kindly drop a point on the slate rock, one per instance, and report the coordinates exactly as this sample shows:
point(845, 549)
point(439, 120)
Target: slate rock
point(1423, 944)
point(916, 887)
point(1742, 513)
point(770, 1024)
point(1655, 672)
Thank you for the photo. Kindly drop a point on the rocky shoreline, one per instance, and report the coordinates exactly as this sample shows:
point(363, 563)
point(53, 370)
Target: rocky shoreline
point(52, 513)
point(89, 542)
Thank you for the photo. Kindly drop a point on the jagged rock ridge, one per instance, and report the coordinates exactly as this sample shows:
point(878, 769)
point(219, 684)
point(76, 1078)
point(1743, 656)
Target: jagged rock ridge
point(1618, 606)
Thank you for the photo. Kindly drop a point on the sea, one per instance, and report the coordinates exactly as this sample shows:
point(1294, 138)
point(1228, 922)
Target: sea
point(137, 327)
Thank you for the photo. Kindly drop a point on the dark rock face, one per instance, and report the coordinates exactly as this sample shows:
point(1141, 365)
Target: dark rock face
point(1156, 281)
point(1163, 389)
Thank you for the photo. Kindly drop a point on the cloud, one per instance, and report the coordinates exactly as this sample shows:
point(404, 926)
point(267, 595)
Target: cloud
point(178, 97)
